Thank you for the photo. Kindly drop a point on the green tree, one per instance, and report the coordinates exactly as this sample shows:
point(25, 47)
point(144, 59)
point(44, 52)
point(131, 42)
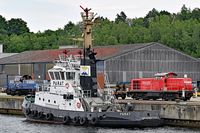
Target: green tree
point(3, 25)
point(164, 13)
point(69, 26)
point(185, 13)
point(150, 16)
point(121, 17)
point(196, 14)
point(17, 26)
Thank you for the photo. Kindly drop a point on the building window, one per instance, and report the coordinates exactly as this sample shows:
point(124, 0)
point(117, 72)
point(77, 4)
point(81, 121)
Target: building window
point(49, 101)
point(43, 99)
point(39, 98)
point(100, 66)
point(70, 104)
point(54, 101)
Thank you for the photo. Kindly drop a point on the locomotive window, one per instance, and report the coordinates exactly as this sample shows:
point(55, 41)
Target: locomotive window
point(51, 75)
point(57, 76)
point(62, 75)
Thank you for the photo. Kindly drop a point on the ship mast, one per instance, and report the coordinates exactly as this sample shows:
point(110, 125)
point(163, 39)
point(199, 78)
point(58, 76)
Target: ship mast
point(88, 22)
point(88, 63)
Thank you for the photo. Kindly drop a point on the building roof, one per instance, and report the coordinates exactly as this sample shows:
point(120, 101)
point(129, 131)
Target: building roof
point(48, 56)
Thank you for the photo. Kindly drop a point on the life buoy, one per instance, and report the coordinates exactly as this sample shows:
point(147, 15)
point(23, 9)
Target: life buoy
point(78, 104)
point(83, 120)
point(67, 85)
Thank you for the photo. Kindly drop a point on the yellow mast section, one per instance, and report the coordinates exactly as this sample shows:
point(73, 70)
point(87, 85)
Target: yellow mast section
point(88, 22)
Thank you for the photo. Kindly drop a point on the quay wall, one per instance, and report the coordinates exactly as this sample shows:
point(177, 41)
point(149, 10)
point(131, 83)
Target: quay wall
point(174, 113)
point(11, 105)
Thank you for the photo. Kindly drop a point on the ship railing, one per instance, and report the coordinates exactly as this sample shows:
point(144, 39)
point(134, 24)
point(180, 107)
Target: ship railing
point(107, 85)
point(108, 91)
point(106, 80)
point(63, 57)
point(87, 17)
point(99, 90)
point(44, 87)
point(69, 61)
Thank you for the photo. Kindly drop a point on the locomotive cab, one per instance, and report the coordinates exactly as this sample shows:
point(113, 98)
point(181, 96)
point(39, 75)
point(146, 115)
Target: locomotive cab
point(166, 75)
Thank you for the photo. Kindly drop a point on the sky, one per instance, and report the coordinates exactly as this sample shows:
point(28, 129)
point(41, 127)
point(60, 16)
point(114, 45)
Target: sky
point(42, 15)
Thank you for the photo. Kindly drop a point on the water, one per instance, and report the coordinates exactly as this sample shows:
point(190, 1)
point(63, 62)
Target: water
point(17, 124)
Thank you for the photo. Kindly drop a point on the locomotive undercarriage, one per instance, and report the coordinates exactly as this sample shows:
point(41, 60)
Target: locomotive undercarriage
point(147, 95)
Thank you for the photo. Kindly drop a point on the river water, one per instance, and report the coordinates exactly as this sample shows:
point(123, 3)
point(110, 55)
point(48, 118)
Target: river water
point(18, 124)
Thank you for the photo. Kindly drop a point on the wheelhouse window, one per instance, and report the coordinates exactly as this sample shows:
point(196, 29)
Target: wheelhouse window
point(62, 75)
point(57, 76)
point(70, 75)
point(51, 75)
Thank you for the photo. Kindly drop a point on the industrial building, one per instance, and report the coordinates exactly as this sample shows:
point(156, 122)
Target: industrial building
point(118, 62)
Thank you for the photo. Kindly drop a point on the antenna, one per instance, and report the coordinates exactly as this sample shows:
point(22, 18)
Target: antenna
point(86, 10)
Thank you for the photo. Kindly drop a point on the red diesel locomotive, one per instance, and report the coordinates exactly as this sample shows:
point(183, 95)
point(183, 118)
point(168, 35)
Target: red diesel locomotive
point(164, 86)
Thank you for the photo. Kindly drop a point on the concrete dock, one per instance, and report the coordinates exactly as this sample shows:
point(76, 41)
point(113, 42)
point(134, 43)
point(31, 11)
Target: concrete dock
point(174, 113)
point(11, 104)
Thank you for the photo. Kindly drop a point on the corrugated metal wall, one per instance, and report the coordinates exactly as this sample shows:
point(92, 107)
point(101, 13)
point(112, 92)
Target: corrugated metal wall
point(147, 61)
point(16, 69)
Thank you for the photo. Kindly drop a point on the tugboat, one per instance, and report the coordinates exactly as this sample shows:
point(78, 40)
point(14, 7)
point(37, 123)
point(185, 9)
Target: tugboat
point(72, 96)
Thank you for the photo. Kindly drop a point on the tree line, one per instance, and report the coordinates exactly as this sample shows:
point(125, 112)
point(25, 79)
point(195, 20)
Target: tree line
point(180, 31)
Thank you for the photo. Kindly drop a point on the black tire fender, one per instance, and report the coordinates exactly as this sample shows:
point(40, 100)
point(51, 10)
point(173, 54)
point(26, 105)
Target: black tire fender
point(28, 111)
point(32, 113)
point(49, 116)
point(40, 115)
point(94, 120)
point(83, 120)
point(75, 119)
point(35, 113)
point(66, 119)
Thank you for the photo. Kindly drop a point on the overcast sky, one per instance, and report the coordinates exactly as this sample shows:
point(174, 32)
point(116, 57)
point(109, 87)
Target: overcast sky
point(41, 15)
